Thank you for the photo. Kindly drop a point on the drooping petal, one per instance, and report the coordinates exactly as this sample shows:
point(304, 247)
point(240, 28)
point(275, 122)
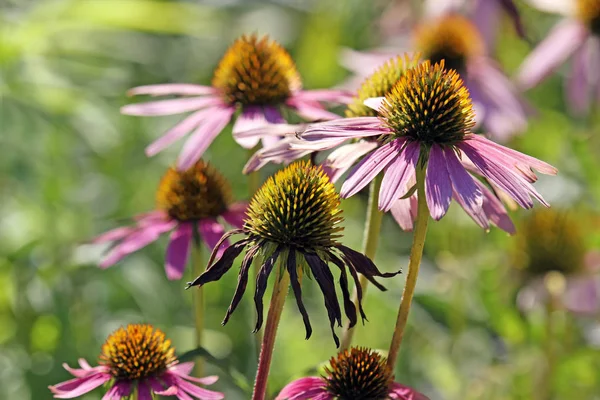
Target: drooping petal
point(171, 106)
point(182, 89)
point(398, 174)
point(311, 110)
point(252, 118)
point(495, 210)
point(85, 371)
point(236, 214)
point(211, 232)
point(242, 282)
point(261, 286)
point(403, 211)
point(215, 271)
point(349, 307)
point(438, 187)
point(178, 131)
point(197, 391)
point(292, 268)
point(178, 250)
point(564, 39)
point(401, 392)
point(297, 389)
point(364, 265)
point(203, 136)
point(463, 183)
point(579, 83)
point(342, 158)
point(78, 386)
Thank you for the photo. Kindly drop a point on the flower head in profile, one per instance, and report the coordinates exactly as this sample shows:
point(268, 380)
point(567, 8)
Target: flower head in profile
point(292, 224)
point(189, 203)
point(576, 36)
point(255, 76)
point(425, 123)
point(136, 359)
point(553, 256)
point(457, 41)
point(355, 374)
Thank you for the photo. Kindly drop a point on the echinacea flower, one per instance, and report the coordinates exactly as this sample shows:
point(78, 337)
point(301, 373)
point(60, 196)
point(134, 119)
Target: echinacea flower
point(136, 359)
point(555, 261)
point(425, 123)
point(292, 225)
point(355, 374)
point(256, 76)
point(456, 40)
point(189, 203)
point(577, 36)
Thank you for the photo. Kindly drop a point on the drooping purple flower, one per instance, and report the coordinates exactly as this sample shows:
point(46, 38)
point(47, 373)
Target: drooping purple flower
point(256, 76)
point(355, 374)
point(136, 359)
point(189, 203)
point(576, 36)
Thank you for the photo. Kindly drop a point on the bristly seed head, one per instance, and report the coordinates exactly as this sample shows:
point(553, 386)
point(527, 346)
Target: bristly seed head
point(429, 104)
point(197, 193)
point(256, 71)
point(297, 207)
point(452, 38)
point(359, 374)
point(551, 241)
point(137, 351)
point(588, 11)
point(379, 84)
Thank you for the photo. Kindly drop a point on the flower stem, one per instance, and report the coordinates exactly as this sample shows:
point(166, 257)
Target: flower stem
point(416, 253)
point(370, 242)
point(198, 268)
point(280, 290)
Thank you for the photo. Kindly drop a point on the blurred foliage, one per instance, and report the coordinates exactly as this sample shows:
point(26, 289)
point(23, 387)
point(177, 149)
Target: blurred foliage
point(73, 167)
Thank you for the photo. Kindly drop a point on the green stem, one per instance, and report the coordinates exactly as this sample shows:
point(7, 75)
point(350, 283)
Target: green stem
point(370, 242)
point(280, 290)
point(416, 253)
point(198, 268)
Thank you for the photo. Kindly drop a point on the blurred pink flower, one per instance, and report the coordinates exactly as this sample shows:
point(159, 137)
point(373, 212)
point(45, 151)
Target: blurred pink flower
point(256, 76)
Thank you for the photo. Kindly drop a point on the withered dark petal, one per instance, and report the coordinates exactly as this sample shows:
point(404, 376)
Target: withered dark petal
point(297, 289)
point(242, 282)
point(349, 307)
point(359, 292)
point(226, 236)
point(261, 286)
point(365, 266)
point(219, 268)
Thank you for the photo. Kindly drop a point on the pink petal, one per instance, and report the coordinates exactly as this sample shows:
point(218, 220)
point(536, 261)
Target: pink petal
point(119, 391)
point(466, 188)
point(182, 368)
point(404, 212)
point(113, 234)
point(562, 41)
point(253, 119)
point(438, 187)
point(364, 63)
point(204, 135)
point(144, 392)
point(347, 128)
point(401, 392)
point(171, 106)
point(342, 158)
point(582, 295)
point(183, 89)
point(398, 174)
point(236, 214)
point(211, 232)
point(580, 81)
point(311, 110)
point(78, 386)
point(86, 370)
point(198, 392)
point(365, 171)
point(495, 210)
point(325, 95)
point(299, 387)
point(178, 250)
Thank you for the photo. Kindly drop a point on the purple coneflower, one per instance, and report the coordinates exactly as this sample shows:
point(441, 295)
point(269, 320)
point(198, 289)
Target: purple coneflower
point(577, 35)
point(456, 40)
point(256, 76)
point(136, 359)
point(425, 123)
point(189, 203)
point(355, 374)
point(292, 226)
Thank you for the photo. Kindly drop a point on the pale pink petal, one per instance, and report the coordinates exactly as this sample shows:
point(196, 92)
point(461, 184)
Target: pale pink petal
point(365, 63)
point(348, 128)
point(374, 102)
point(495, 211)
point(401, 392)
point(178, 250)
point(463, 183)
point(325, 95)
point(564, 39)
point(199, 141)
point(182, 369)
point(438, 187)
point(211, 232)
point(78, 386)
point(365, 171)
point(342, 158)
point(236, 214)
point(198, 392)
point(311, 110)
point(299, 386)
point(580, 82)
point(398, 174)
point(183, 89)
point(253, 119)
point(271, 130)
point(113, 234)
point(404, 212)
point(582, 295)
point(171, 106)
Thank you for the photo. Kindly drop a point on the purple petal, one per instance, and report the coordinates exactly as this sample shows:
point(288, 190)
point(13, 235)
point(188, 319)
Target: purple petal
point(78, 386)
point(178, 250)
point(311, 110)
point(236, 214)
point(297, 388)
point(398, 174)
point(211, 232)
point(118, 391)
point(562, 41)
point(199, 141)
point(365, 171)
point(347, 128)
point(495, 211)
point(580, 79)
point(464, 185)
point(582, 295)
point(171, 106)
point(183, 89)
point(438, 187)
point(144, 392)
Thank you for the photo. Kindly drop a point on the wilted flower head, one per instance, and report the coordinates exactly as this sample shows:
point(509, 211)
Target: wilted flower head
point(553, 256)
point(355, 374)
point(189, 203)
point(293, 225)
point(577, 36)
point(257, 76)
point(425, 121)
point(136, 359)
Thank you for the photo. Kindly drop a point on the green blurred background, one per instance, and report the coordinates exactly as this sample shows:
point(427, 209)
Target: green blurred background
point(72, 167)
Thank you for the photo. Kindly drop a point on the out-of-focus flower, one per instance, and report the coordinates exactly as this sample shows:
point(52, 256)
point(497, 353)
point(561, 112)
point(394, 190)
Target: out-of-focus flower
point(425, 121)
point(553, 256)
point(256, 76)
point(293, 224)
point(186, 202)
point(456, 40)
point(136, 359)
point(576, 35)
point(355, 374)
